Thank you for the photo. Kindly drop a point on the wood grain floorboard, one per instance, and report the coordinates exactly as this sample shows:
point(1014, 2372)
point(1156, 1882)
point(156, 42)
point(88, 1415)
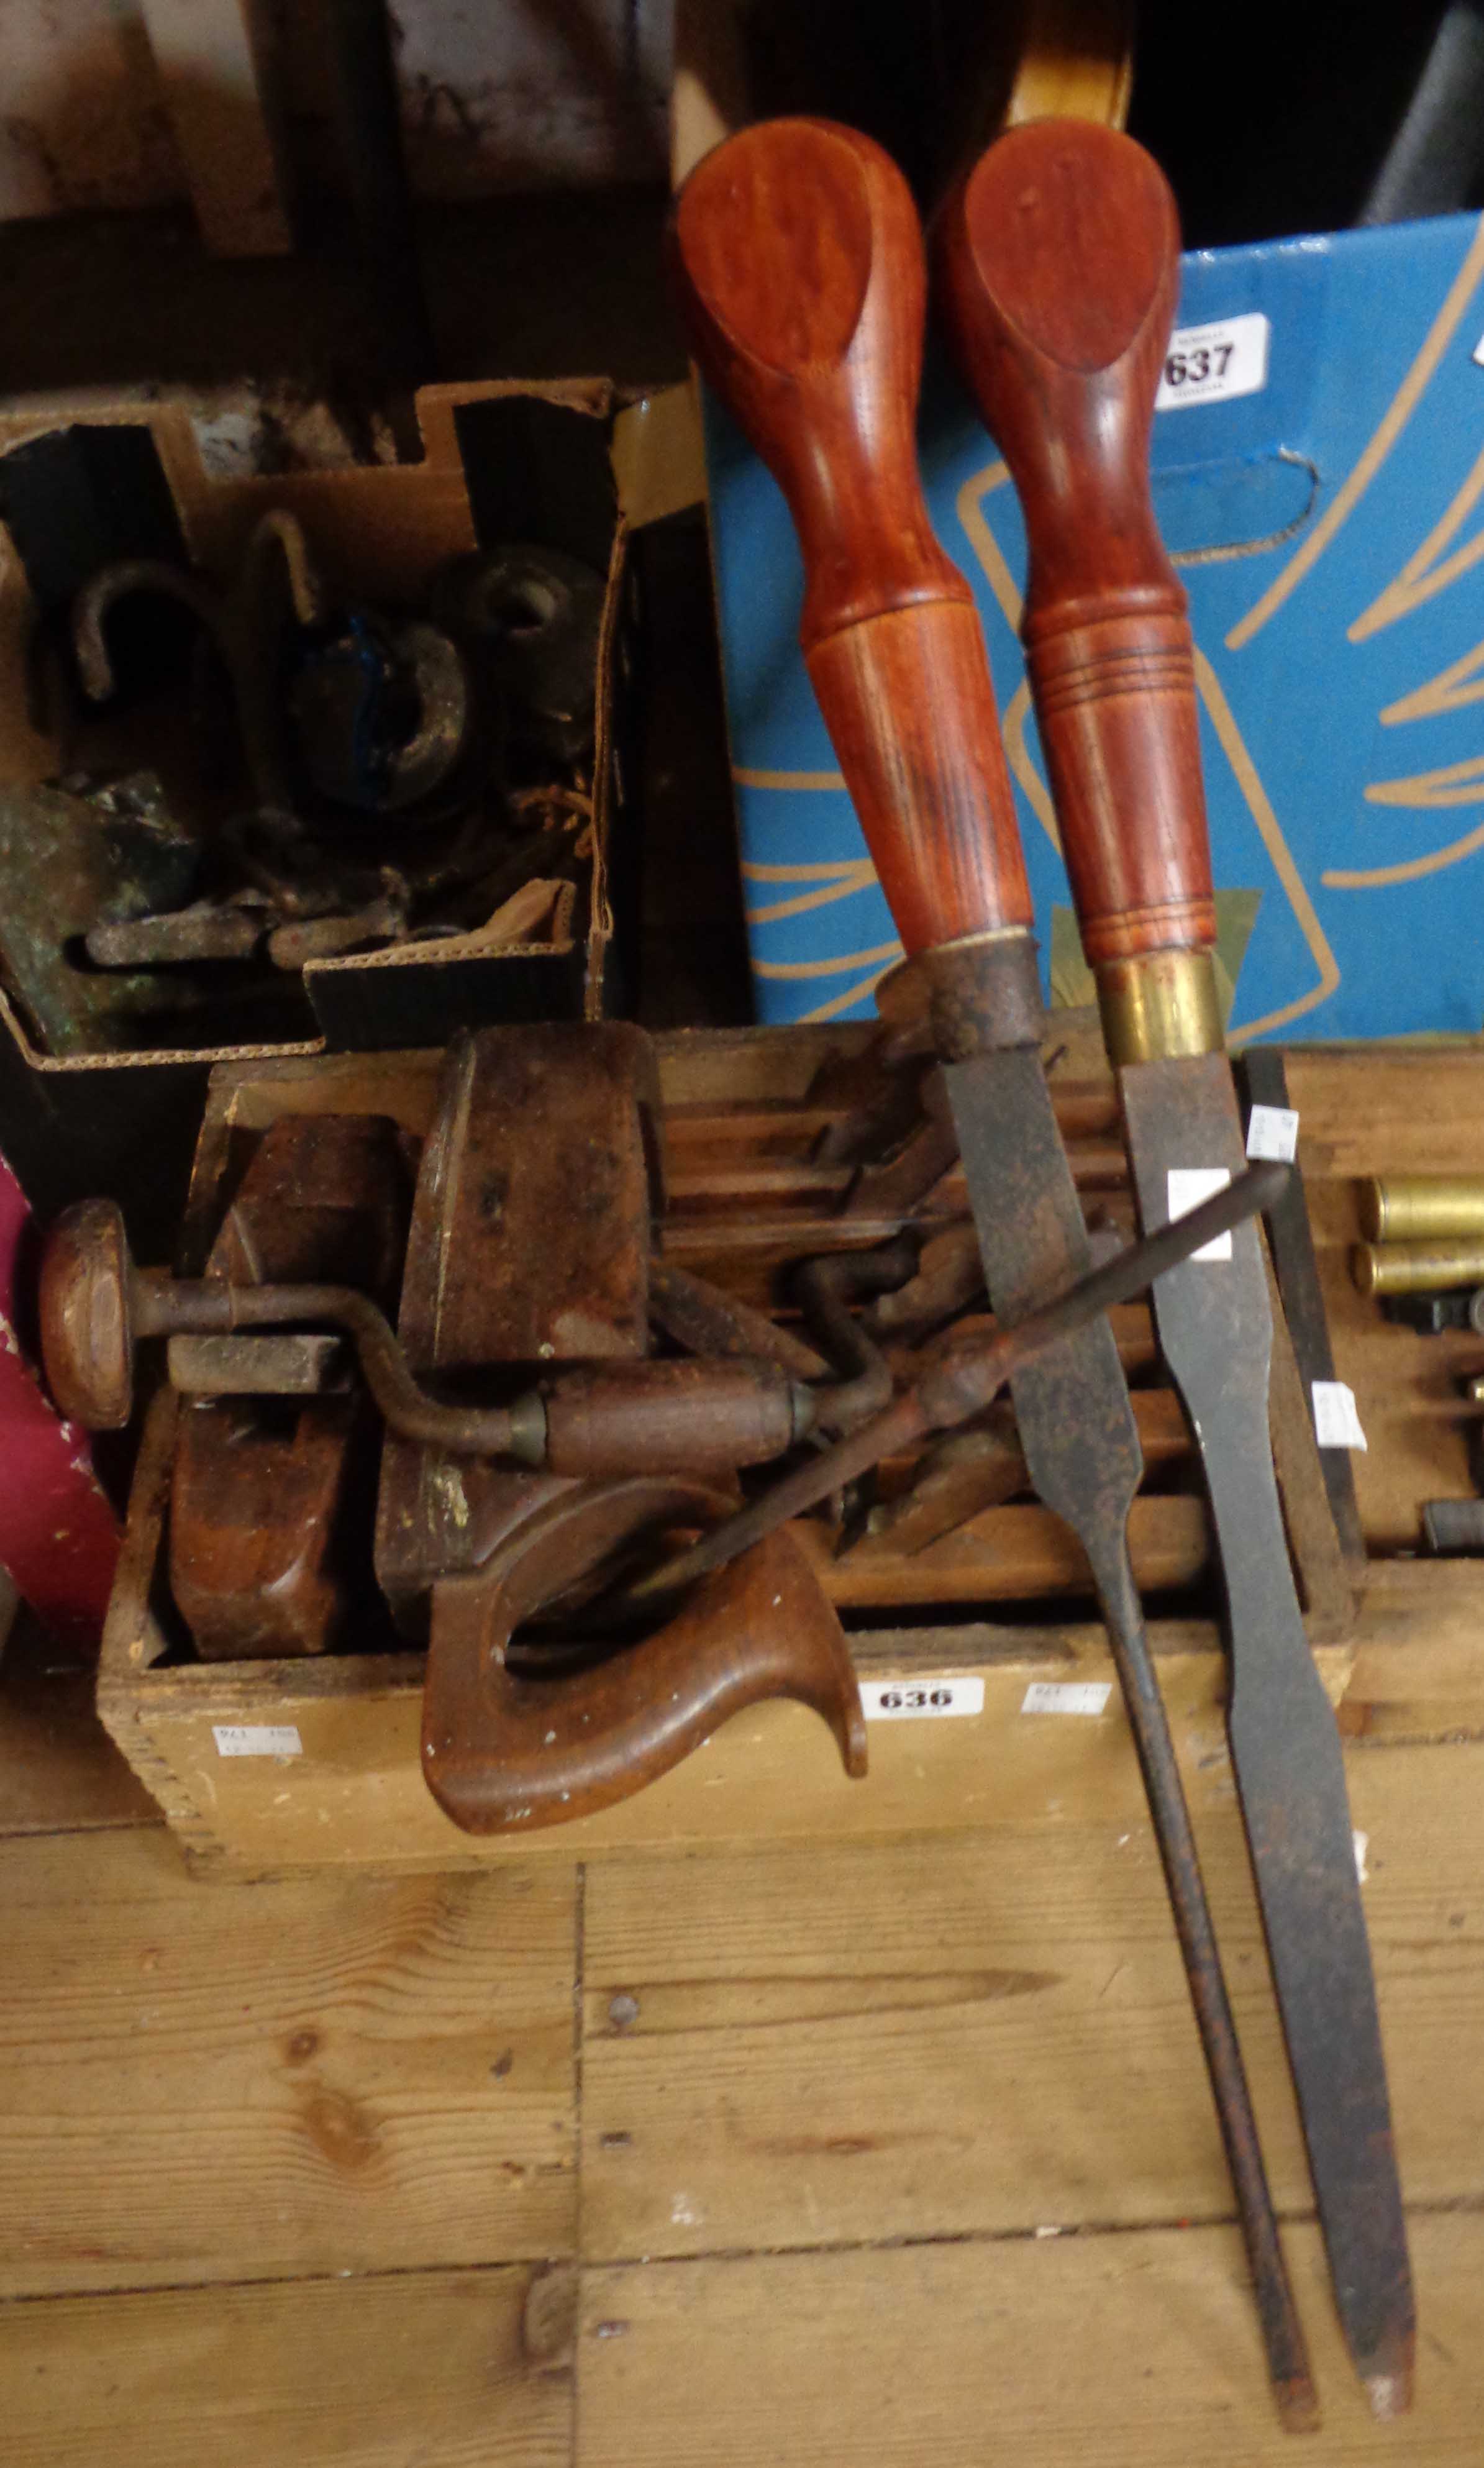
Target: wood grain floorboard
point(229, 2082)
point(934, 2038)
point(435, 2370)
point(1135, 2350)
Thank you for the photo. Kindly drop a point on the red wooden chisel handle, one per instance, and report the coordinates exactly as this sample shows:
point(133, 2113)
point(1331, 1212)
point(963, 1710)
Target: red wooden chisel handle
point(1057, 261)
point(799, 265)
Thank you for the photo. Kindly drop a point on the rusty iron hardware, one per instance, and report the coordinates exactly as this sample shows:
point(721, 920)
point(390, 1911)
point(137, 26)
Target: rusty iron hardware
point(705, 1321)
point(262, 1365)
point(699, 1316)
point(880, 1090)
point(276, 588)
point(380, 808)
point(949, 1278)
point(298, 939)
point(383, 715)
point(72, 858)
point(532, 618)
point(964, 1474)
point(962, 1382)
point(208, 929)
point(378, 716)
point(824, 1288)
point(596, 1419)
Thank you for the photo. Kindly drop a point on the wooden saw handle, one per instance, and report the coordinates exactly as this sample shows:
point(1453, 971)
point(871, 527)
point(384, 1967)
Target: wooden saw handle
point(1057, 262)
point(798, 259)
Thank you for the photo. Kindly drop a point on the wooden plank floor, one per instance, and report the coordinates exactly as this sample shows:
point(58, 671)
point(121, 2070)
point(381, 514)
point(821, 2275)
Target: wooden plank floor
point(897, 2156)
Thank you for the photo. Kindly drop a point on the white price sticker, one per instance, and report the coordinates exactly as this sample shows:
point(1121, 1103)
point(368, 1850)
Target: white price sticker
point(1273, 1132)
point(1189, 1186)
point(901, 1701)
point(1337, 1421)
point(1066, 1697)
point(256, 1739)
point(1213, 363)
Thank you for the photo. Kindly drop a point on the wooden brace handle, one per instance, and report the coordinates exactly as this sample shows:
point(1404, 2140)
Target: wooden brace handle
point(798, 261)
point(1057, 262)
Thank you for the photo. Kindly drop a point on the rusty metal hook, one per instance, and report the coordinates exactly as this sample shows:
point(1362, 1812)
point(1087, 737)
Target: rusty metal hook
point(277, 583)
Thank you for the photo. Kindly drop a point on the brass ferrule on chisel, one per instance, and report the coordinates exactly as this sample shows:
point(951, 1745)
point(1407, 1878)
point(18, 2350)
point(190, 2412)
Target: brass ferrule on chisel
point(1159, 1006)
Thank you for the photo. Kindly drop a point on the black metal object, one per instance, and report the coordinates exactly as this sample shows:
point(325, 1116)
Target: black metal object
point(1262, 1079)
point(1082, 1449)
point(533, 618)
point(1434, 1315)
point(1434, 162)
point(1453, 1529)
point(1216, 1332)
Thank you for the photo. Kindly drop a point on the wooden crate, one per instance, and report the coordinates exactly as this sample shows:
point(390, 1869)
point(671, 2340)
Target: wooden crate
point(744, 1196)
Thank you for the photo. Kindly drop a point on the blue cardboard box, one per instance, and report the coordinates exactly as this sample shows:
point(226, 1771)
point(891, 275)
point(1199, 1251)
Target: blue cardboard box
point(1319, 466)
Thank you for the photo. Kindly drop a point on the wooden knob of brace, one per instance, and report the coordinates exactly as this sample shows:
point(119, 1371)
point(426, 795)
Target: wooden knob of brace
point(86, 1316)
point(1056, 264)
point(798, 260)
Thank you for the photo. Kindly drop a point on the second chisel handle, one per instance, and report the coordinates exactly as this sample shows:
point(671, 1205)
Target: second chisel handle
point(1057, 261)
point(798, 259)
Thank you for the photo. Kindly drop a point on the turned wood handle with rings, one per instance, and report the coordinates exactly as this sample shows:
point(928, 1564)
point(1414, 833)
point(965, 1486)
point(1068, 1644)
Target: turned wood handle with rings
point(799, 263)
point(1057, 265)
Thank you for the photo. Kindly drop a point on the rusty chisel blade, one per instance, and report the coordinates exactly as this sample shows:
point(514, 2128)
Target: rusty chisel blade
point(1082, 1449)
point(1215, 1333)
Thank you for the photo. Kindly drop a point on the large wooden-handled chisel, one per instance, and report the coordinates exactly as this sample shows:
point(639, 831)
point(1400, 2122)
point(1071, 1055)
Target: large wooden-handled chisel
point(1057, 263)
point(799, 263)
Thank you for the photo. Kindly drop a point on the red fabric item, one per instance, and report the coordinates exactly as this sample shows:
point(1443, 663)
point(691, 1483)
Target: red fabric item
point(59, 1536)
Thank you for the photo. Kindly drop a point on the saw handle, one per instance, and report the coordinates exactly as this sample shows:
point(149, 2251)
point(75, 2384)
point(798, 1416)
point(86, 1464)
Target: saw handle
point(798, 261)
point(1057, 262)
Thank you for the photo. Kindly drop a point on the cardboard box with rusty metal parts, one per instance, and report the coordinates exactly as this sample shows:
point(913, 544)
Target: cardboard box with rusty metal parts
point(558, 465)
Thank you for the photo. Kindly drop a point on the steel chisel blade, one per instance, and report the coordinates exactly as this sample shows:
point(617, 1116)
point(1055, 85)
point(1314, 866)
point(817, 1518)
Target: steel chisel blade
point(1076, 1423)
point(1216, 1334)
